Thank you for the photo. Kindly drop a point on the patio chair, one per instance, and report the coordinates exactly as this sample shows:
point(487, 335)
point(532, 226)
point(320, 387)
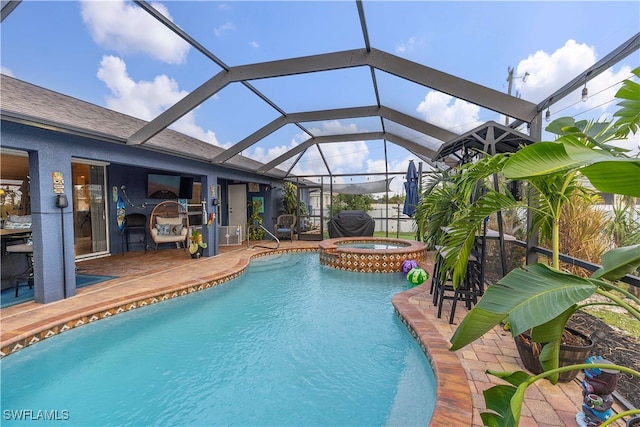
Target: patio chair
point(284, 226)
point(134, 223)
point(169, 223)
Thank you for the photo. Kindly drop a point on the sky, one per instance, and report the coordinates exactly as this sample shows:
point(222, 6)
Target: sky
point(115, 55)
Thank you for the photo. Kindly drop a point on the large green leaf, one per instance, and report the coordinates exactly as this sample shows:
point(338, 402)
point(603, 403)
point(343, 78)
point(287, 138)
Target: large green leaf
point(526, 298)
point(559, 125)
point(535, 296)
point(474, 325)
point(544, 158)
point(515, 378)
point(553, 329)
point(620, 176)
point(461, 234)
point(550, 359)
point(629, 112)
point(618, 262)
point(498, 398)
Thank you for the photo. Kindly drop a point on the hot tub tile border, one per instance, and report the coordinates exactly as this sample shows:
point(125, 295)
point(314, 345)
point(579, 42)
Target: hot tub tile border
point(364, 261)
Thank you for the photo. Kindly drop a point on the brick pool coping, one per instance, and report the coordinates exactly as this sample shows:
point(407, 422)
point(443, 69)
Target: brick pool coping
point(454, 405)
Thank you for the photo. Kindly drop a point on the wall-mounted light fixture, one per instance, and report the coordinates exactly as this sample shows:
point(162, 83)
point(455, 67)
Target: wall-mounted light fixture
point(126, 196)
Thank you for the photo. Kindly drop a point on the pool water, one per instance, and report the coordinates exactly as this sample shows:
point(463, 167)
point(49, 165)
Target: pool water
point(290, 342)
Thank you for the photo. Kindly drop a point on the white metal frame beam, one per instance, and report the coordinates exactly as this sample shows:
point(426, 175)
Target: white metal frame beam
point(457, 87)
point(412, 146)
point(340, 113)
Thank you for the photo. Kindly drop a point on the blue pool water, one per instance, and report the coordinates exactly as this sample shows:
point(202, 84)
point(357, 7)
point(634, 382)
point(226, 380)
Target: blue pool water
point(290, 342)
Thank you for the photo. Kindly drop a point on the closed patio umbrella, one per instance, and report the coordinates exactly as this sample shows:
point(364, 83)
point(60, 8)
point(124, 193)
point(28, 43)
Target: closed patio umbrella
point(411, 190)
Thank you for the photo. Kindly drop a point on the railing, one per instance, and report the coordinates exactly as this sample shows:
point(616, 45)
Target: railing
point(630, 279)
point(260, 226)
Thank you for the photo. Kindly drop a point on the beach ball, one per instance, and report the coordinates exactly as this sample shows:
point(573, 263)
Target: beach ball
point(408, 264)
point(417, 276)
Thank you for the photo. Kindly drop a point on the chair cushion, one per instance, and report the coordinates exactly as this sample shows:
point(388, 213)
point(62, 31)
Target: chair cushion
point(165, 220)
point(169, 238)
point(175, 230)
point(163, 229)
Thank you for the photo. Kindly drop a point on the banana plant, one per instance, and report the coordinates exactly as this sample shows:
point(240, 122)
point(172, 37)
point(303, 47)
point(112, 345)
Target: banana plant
point(540, 297)
point(506, 400)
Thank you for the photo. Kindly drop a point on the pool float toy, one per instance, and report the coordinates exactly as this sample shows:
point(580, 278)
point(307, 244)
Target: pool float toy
point(408, 265)
point(417, 276)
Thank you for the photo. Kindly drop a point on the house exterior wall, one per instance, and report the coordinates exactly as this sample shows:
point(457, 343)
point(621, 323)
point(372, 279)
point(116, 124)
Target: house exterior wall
point(51, 151)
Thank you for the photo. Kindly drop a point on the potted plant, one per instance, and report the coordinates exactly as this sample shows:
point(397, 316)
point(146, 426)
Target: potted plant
point(197, 244)
point(256, 232)
point(541, 298)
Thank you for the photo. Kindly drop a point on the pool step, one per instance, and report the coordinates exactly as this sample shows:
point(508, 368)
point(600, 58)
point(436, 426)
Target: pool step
point(272, 262)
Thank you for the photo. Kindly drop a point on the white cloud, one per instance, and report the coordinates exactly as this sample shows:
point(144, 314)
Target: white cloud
point(549, 72)
point(457, 117)
point(254, 44)
point(335, 127)
point(147, 99)
point(263, 155)
point(342, 157)
point(128, 29)
point(407, 46)
point(223, 29)
point(6, 71)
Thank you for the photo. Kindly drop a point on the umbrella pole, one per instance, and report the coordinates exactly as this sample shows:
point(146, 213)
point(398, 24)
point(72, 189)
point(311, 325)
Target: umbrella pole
point(418, 236)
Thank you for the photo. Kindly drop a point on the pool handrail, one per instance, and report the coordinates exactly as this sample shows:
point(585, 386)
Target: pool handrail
point(267, 231)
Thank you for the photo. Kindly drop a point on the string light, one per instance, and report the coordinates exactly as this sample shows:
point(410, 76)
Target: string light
point(547, 115)
point(585, 92)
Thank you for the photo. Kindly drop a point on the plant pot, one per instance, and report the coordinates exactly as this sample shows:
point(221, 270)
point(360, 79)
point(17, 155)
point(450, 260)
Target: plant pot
point(197, 254)
point(569, 354)
point(634, 421)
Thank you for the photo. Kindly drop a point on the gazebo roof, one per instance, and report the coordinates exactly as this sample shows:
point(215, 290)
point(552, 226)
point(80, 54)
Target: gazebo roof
point(491, 138)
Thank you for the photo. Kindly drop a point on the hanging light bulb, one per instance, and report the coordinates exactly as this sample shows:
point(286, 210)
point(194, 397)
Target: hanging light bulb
point(547, 115)
point(585, 92)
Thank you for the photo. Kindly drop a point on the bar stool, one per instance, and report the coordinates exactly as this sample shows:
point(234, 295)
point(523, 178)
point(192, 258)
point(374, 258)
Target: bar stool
point(468, 291)
point(27, 249)
point(435, 277)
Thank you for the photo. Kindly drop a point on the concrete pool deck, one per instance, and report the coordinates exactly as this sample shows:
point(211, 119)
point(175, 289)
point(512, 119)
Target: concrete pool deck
point(155, 276)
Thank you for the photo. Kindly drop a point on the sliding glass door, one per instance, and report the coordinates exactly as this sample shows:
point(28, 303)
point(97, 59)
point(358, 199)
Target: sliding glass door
point(89, 208)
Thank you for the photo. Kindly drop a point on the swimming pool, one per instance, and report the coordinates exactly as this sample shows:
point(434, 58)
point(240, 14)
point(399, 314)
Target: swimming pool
point(289, 342)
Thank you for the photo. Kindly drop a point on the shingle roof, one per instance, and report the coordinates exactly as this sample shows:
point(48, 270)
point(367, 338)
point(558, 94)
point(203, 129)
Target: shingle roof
point(26, 103)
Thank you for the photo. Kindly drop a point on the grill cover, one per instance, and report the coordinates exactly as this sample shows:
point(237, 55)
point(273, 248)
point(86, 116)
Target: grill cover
point(351, 224)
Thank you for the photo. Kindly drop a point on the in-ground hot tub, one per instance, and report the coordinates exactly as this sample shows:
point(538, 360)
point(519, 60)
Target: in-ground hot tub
point(370, 254)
